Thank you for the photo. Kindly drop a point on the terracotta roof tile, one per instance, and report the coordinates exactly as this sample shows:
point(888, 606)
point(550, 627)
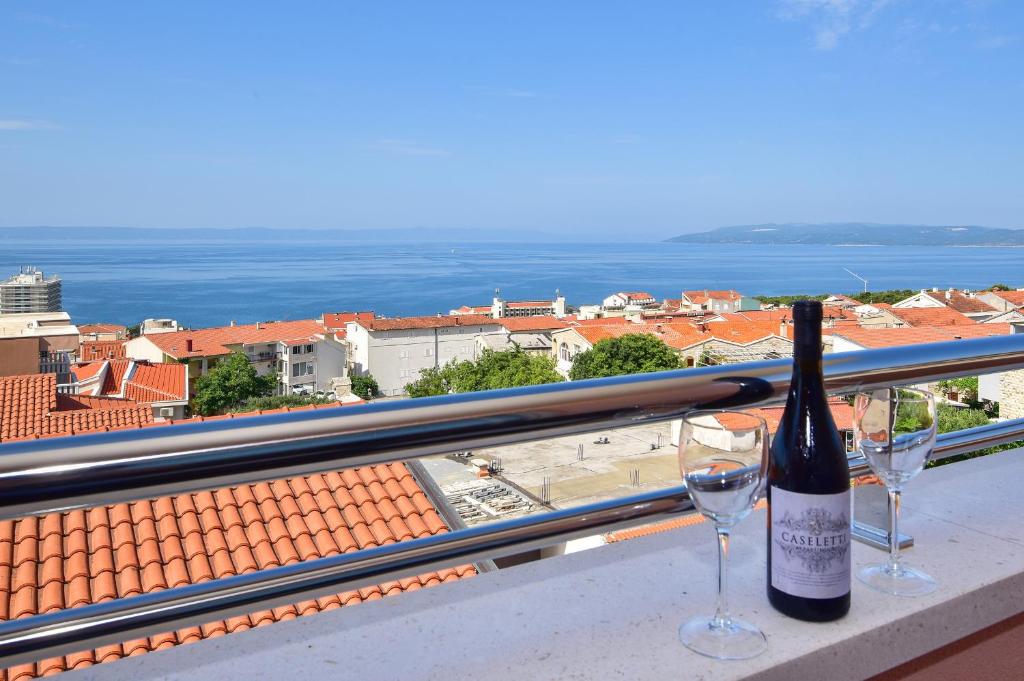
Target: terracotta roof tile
point(438, 322)
point(215, 341)
point(885, 338)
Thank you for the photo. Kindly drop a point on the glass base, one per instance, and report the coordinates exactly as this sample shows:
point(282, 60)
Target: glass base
point(904, 581)
point(736, 640)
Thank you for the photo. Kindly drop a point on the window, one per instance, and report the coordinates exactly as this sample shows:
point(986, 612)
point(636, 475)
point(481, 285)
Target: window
point(302, 369)
point(296, 349)
point(309, 349)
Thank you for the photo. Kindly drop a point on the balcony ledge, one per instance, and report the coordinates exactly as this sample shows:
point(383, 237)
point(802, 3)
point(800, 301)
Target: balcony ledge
point(613, 612)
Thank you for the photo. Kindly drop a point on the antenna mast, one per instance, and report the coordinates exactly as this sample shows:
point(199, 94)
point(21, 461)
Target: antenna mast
point(857, 276)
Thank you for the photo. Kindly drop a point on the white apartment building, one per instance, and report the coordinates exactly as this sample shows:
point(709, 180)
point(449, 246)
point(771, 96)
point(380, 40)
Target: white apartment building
point(516, 308)
point(395, 351)
point(30, 291)
point(151, 326)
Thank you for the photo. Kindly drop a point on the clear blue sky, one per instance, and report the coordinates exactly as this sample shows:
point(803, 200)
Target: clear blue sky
point(590, 118)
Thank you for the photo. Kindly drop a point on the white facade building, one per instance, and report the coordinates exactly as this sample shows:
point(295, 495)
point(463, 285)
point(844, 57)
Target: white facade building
point(395, 351)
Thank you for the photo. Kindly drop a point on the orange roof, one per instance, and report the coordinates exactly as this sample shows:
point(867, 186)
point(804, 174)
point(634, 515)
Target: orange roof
point(116, 370)
point(842, 414)
point(931, 316)
point(66, 402)
point(91, 350)
point(483, 309)
point(744, 332)
point(528, 303)
point(714, 295)
point(30, 408)
point(960, 302)
point(887, 338)
point(335, 321)
point(83, 371)
point(663, 526)
point(157, 383)
point(640, 295)
point(1012, 297)
point(535, 323)
point(65, 560)
point(604, 321)
point(678, 336)
point(86, 329)
point(214, 341)
point(437, 322)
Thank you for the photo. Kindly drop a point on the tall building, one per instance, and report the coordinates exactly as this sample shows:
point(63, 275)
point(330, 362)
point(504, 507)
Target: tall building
point(30, 291)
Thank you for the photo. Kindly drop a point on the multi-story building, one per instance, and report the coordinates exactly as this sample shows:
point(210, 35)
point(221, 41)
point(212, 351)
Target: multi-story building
point(395, 351)
point(515, 308)
point(30, 291)
point(302, 356)
point(719, 301)
point(633, 299)
point(34, 343)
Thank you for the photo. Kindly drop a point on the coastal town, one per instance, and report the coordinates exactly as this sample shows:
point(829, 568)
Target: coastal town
point(61, 376)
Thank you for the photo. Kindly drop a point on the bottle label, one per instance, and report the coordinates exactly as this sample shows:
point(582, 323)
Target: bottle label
point(810, 543)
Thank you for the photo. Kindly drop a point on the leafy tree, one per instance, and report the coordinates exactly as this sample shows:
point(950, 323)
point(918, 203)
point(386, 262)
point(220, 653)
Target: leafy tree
point(276, 402)
point(888, 296)
point(134, 330)
point(228, 384)
point(493, 370)
point(951, 418)
point(633, 353)
point(965, 387)
point(365, 386)
point(432, 381)
point(999, 287)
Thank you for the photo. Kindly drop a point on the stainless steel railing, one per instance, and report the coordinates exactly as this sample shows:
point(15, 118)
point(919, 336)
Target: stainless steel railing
point(64, 473)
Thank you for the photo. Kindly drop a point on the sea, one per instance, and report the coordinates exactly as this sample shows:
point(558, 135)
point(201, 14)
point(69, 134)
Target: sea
point(212, 283)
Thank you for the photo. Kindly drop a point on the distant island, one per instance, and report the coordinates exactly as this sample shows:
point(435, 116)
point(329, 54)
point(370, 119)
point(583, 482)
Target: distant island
point(857, 234)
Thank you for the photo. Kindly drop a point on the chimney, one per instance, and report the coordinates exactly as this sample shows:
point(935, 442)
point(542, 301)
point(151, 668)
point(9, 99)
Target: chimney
point(188, 345)
point(782, 327)
point(949, 294)
point(935, 289)
point(258, 326)
point(232, 322)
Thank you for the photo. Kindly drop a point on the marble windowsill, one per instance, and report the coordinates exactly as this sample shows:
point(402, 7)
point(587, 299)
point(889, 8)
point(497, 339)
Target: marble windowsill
point(613, 612)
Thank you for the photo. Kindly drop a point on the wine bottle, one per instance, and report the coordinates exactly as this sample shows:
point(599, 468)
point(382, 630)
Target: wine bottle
point(808, 490)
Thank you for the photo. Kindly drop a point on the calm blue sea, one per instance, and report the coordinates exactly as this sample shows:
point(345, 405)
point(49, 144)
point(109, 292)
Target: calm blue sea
point(203, 284)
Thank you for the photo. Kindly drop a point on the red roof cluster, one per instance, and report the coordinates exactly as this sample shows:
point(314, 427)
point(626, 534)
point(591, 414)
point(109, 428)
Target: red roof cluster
point(1015, 298)
point(92, 350)
point(86, 329)
point(215, 341)
point(930, 316)
point(959, 301)
point(887, 338)
point(437, 322)
point(31, 408)
point(66, 560)
point(335, 321)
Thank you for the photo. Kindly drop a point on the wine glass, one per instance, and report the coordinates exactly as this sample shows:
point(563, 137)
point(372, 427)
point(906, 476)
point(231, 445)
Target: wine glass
point(895, 431)
point(723, 458)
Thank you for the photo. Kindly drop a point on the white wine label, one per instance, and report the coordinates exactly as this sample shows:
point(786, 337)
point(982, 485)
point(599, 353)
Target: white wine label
point(811, 543)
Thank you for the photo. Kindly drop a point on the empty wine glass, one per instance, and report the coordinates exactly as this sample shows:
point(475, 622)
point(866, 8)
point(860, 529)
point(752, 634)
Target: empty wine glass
point(723, 457)
point(895, 431)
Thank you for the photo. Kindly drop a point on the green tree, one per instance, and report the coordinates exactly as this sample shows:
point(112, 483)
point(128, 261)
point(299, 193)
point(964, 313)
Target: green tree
point(966, 388)
point(228, 384)
point(276, 402)
point(951, 419)
point(365, 386)
point(999, 287)
point(633, 353)
point(494, 369)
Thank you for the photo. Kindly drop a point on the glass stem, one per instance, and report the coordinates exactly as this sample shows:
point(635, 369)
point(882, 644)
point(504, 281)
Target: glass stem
point(722, 618)
point(894, 535)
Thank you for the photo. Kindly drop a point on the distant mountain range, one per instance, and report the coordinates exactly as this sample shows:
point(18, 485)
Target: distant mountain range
point(267, 234)
point(857, 234)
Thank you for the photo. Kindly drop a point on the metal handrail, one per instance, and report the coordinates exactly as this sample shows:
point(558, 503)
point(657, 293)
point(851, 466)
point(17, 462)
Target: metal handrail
point(59, 474)
point(651, 397)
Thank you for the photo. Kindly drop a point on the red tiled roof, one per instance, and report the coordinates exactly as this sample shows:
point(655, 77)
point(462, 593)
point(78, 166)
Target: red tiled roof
point(931, 316)
point(714, 295)
point(116, 370)
point(842, 414)
point(960, 302)
point(482, 309)
point(664, 526)
point(83, 371)
point(91, 350)
point(30, 408)
point(157, 383)
point(535, 323)
point(528, 303)
point(887, 338)
point(335, 321)
point(86, 329)
point(604, 321)
point(745, 332)
point(1012, 297)
point(438, 322)
point(66, 402)
point(214, 341)
point(66, 560)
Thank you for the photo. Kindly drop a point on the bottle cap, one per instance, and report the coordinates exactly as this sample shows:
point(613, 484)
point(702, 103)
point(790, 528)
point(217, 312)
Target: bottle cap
point(807, 310)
